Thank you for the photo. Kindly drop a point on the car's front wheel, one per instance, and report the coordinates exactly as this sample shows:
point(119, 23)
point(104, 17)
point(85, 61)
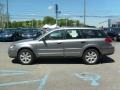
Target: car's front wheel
point(91, 56)
point(26, 57)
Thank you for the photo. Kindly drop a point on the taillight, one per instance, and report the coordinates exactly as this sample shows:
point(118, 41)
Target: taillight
point(108, 40)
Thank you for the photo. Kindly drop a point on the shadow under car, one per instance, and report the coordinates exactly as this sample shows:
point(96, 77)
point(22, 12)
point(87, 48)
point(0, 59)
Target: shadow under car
point(104, 60)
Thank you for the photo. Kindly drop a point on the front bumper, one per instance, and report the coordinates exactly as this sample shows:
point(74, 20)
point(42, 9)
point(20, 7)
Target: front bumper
point(12, 53)
point(5, 38)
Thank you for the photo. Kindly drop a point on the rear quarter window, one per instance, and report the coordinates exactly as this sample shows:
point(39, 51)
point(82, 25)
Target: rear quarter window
point(93, 34)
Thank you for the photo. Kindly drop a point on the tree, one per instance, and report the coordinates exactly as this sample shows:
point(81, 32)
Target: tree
point(67, 22)
point(34, 23)
point(70, 23)
point(77, 23)
point(28, 24)
point(49, 20)
point(39, 23)
point(62, 22)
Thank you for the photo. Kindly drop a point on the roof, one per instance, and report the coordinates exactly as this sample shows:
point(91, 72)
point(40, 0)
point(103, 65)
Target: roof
point(62, 28)
point(77, 28)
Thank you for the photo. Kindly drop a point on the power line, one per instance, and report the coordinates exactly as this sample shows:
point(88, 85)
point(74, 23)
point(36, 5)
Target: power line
point(111, 16)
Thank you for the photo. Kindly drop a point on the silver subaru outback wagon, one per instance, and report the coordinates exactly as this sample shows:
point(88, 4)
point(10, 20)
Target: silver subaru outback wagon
point(87, 43)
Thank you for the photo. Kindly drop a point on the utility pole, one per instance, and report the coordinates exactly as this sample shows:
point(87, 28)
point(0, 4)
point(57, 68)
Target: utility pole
point(109, 23)
point(1, 14)
point(32, 23)
point(84, 12)
point(57, 12)
point(7, 13)
point(66, 22)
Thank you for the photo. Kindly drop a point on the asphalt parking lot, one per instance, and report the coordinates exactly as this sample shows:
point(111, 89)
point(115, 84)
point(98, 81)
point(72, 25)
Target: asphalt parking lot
point(59, 74)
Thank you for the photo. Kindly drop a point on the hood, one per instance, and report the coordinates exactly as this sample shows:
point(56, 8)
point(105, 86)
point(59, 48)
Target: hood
point(5, 35)
point(31, 33)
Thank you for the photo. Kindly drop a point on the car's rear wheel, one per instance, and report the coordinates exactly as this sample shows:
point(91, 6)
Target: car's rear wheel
point(26, 57)
point(91, 56)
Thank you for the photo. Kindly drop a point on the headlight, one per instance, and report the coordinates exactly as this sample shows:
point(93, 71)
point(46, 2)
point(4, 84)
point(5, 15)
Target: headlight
point(23, 35)
point(12, 46)
point(8, 35)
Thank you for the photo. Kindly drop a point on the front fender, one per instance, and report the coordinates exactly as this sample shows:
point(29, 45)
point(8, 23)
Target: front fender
point(25, 46)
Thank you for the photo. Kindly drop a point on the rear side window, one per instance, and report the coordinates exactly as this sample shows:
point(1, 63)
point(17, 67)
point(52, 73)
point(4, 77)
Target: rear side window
point(93, 34)
point(73, 34)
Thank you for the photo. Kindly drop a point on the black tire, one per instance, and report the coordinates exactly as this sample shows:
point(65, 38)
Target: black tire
point(118, 39)
point(92, 59)
point(26, 57)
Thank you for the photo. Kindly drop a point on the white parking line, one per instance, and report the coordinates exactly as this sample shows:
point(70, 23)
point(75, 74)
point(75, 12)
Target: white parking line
point(12, 72)
point(17, 83)
point(41, 86)
point(43, 83)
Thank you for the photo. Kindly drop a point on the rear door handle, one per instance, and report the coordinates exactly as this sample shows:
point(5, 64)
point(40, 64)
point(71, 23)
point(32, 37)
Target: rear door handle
point(83, 42)
point(59, 43)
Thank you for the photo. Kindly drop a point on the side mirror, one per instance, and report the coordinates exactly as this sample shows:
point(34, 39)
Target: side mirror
point(43, 39)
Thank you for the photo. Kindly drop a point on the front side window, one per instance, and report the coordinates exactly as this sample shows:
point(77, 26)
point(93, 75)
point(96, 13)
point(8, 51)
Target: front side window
point(56, 35)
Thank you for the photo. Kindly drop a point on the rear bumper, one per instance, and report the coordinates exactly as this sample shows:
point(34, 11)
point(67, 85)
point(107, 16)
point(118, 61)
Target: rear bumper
point(108, 51)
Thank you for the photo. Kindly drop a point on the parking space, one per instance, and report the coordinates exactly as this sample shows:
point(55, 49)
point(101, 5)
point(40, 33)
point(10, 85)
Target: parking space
point(59, 74)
